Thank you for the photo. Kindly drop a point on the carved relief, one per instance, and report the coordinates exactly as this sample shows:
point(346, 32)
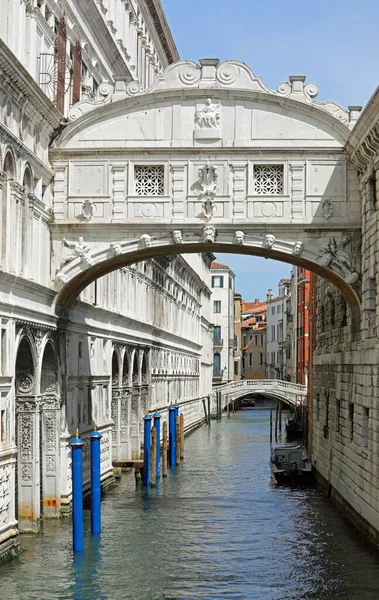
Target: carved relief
point(177, 237)
point(298, 248)
point(88, 209)
point(49, 418)
point(340, 254)
point(209, 234)
point(239, 238)
point(208, 178)
point(26, 437)
point(80, 250)
point(208, 117)
point(4, 494)
point(145, 240)
point(269, 241)
point(326, 208)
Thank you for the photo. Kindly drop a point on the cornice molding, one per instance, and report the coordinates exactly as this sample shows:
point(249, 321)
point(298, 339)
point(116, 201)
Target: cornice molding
point(16, 72)
point(23, 150)
point(163, 30)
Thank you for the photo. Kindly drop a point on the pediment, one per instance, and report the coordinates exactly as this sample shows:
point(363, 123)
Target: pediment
point(214, 118)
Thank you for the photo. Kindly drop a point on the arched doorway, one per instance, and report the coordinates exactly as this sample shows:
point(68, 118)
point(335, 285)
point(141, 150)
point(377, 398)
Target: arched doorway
point(50, 404)
point(28, 486)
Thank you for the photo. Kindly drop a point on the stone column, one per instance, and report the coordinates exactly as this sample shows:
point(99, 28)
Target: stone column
point(136, 423)
point(28, 463)
point(14, 227)
point(125, 408)
point(50, 439)
point(3, 183)
point(115, 415)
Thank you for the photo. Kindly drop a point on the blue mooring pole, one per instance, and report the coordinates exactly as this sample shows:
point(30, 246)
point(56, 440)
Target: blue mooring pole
point(77, 494)
point(147, 449)
point(157, 425)
point(171, 435)
point(95, 438)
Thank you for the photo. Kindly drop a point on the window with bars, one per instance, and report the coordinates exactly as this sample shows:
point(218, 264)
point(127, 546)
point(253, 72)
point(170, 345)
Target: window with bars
point(149, 180)
point(268, 180)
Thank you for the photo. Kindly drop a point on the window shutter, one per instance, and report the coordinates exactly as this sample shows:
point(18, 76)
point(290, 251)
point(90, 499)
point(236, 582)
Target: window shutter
point(221, 281)
point(77, 75)
point(213, 281)
point(61, 63)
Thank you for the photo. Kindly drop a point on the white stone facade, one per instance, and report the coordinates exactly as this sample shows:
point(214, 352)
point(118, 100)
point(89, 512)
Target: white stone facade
point(276, 336)
point(136, 339)
point(223, 286)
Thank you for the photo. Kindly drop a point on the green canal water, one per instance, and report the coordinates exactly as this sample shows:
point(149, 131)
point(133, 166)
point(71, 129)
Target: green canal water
point(218, 527)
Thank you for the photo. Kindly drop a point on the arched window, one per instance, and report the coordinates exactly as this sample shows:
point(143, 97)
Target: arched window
point(9, 170)
point(216, 365)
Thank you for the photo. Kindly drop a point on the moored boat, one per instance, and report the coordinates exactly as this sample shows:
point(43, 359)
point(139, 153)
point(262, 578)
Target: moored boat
point(290, 463)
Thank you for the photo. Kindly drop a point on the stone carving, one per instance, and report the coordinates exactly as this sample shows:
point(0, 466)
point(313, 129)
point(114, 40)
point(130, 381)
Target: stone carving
point(208, 178)
point(103, 96)
point(145, 240)
point(24, 382)
point(26, 472)
point(269, 241)
point(298, 248)
point(209, 117)
point(38, 338)
point(177, 237)
point(87, 210)
point(115, 248)
point(334, 252)
point(239, 238)
point(4, 494)
point(209, 234)
point(50, 464)
point(326, 208)
point(79, 250)
point(26, 437)
point(50, 428)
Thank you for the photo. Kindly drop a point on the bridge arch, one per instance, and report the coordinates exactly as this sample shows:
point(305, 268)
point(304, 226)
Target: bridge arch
point(208, 158)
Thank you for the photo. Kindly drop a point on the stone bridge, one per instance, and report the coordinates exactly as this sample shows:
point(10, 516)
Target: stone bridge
point(293, 394)
point(207, 158)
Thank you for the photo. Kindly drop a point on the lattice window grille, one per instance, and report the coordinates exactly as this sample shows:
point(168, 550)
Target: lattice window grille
point(149, 180)
point(268, 180)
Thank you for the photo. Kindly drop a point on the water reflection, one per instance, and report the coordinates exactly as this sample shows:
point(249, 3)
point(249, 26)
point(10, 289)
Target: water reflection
point(217, 527)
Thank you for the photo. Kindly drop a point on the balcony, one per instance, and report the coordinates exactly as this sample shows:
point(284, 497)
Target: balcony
point(218, 342)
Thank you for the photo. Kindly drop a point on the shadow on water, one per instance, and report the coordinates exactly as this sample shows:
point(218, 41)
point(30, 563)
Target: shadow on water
point(217, 527)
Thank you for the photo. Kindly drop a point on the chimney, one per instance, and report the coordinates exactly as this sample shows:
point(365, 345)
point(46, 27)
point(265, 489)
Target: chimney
point(269, 294)
point(256, 300)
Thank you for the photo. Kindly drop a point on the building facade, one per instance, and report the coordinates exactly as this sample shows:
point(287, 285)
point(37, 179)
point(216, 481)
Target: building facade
point(277, 332)
point(237, 336)
point(222, 284)
point(136, 339)
point(254, 329)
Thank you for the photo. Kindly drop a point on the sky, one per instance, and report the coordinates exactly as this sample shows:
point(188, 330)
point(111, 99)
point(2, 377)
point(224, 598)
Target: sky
point(335, 43)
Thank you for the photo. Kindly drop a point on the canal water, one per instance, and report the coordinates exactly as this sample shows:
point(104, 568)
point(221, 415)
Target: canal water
point(218, 527)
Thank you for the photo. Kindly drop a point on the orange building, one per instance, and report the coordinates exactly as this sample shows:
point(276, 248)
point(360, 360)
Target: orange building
point(253, 333)
point(303, 306)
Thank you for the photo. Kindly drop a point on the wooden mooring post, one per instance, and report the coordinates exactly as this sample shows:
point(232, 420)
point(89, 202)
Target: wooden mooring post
point(153, 476)
point(164, 449)
point(271, 426)
point(276, 421)
point(280, 418)
point(181, 436)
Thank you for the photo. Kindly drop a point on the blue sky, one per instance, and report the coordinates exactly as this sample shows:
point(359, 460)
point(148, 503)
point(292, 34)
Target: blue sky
point(334, 43)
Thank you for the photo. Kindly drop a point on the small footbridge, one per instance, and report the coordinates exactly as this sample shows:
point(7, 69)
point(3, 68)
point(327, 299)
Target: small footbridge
point(291, 393)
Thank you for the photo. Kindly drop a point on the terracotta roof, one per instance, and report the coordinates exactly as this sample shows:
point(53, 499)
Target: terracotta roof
point(254, 306)
point(216, 265)
point(285, 280)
